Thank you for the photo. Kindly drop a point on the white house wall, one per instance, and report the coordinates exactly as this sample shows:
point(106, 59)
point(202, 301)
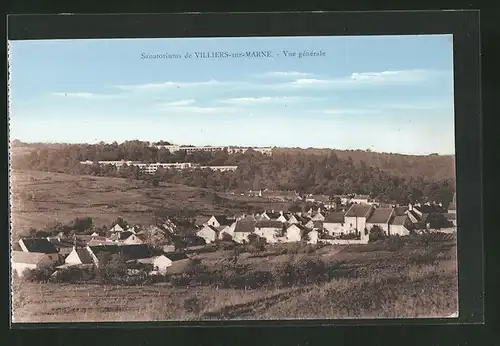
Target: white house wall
point(207, 234)
point(19, 268)
point(293, 234)
point(239, 237)
point(213, 222)
point(313, 237)
point(398, 230)
point(73, 258)
point(383, 226)
point(333, 228)
point(161, 264)
point(133, 240)
point(269, 233)
point(352, 223)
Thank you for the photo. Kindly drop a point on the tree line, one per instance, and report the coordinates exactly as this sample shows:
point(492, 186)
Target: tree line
point(321, 172)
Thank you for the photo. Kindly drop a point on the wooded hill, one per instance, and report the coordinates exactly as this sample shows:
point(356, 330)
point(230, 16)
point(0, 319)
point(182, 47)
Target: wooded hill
point(388, 177)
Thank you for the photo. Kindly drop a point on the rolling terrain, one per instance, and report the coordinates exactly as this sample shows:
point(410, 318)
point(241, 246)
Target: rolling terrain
point(39, 198)
point(413, 278)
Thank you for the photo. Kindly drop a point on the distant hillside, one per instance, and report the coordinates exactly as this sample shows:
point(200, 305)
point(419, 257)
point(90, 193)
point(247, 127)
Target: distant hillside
point(433, 167)
point(387, 177)
point(39, 198)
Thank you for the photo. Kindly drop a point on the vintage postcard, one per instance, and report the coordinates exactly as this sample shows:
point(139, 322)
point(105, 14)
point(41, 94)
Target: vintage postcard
point(237, 178)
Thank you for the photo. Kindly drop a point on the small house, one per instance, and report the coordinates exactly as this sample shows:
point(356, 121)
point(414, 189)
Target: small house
point(116, 228)
point(284, 217)
point(243, 229)
point(313, 237)
point(133, 239)
point(41, 245)
point(400, 225)
point(380, 217)
point(79, 256)
point(22, 260)
point(270, 230)
point(334, 223)
point(160, 263)
point(356, 217)
point(227, 232)
point(294, 219)
point(295, 233)
point(128, 252)
point(319, 216)
point(218, 221)
point(209, 233)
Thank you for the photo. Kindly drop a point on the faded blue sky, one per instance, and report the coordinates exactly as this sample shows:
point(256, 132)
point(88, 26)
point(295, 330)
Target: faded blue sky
point(390, 94)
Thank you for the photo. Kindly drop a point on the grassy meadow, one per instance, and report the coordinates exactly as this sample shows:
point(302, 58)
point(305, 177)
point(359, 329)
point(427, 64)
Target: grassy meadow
point(405, 277)
point(39, 198)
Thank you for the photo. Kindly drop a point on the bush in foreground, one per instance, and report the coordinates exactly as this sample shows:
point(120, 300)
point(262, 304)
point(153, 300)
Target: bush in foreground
point(38, 275)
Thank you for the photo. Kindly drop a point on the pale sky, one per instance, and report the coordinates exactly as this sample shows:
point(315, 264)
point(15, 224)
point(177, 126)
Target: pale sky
point(384, 93)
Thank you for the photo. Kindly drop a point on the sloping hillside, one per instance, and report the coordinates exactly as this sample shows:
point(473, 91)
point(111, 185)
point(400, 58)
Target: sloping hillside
point(41, 197)
point(433, 167)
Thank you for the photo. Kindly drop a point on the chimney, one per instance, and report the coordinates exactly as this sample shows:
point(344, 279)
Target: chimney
point(410, 206)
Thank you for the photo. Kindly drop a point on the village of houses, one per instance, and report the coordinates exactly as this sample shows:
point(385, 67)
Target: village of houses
point(350, 222)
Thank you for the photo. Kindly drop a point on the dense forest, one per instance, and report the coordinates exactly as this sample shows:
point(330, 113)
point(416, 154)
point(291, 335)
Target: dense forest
point(319, 172)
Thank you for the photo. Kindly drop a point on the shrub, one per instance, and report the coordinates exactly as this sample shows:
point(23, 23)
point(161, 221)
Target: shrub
point(72, 275)
point(376, 234)
point(224, 245)
point(38, 275)
point(182, 279)
point(394, 243)
point(192, 305)
point(112, 269)
point(349, 236)
point(226, 237)
point(303, 271)
point(257, 242)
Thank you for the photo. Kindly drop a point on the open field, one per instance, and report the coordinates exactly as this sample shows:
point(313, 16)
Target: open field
point(408, 278)
point(41, 197)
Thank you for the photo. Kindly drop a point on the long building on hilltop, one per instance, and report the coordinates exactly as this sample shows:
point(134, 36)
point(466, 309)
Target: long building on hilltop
point(151, 168)
point(230, 149)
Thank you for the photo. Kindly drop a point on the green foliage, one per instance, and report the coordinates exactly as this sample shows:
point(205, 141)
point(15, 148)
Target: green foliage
point(303, 271)
point(81, 225)
point(73, 275)
point(376, 234)
point(38, 275)
point(349, 236)
point(297, 248)
point(112, 268)
point(121, 222)
point(388, 177)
